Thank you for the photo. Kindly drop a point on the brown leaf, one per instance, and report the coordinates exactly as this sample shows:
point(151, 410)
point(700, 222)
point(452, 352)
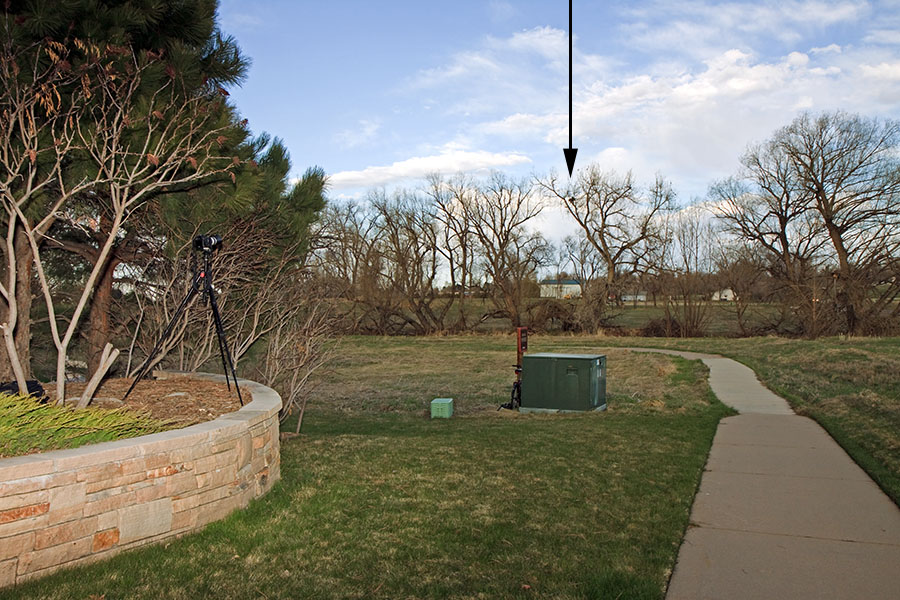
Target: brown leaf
point(236, 161)
point(221, 140)
point(192, 161)
point(152, 159)
point(223, 91)
point(233, 178)
point(32, 155)
point(253, 163)
point(157, 114)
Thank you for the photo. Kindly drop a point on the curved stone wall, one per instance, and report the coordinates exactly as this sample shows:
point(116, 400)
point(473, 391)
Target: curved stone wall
point(69, 507)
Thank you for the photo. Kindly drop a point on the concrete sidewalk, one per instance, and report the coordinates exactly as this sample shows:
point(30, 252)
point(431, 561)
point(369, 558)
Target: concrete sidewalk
point(782, 511)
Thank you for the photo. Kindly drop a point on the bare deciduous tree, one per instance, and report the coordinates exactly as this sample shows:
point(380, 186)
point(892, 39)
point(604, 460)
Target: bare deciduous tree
point(621, 221)
point(591, 311)
point(41, 99)
point(510, 254)
point(352, 261)
point(410, 237)
point(295, 349)
point(740, 269)
point(822, 197)
point(849, 169)
point(689, 266)
point(457, 239)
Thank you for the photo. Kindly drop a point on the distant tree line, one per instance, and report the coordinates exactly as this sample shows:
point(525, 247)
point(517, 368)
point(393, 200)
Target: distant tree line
point(805, 236)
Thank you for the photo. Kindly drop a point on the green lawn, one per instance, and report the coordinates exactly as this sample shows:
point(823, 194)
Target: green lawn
point(377, 501)
point(850, 386)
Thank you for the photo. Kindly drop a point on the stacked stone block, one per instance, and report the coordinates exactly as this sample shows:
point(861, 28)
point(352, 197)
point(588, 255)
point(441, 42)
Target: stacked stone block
point(69, 507)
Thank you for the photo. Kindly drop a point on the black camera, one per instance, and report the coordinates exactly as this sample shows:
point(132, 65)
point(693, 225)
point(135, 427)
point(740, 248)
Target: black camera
point(207, 243)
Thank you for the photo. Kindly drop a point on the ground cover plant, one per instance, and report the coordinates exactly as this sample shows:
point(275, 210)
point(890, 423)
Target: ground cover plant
point(378, 501)
point(27, 426)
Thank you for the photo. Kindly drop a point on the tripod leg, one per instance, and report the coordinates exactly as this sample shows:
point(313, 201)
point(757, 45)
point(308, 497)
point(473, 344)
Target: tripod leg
point(220, 336)
point(223, 344)
point(168, 330)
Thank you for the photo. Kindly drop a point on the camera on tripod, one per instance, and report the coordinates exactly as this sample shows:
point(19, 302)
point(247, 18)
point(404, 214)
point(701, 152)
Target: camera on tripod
point(202, 284)
point(207, 243)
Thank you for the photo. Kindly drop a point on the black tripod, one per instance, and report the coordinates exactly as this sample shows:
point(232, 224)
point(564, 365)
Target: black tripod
point(202, 284)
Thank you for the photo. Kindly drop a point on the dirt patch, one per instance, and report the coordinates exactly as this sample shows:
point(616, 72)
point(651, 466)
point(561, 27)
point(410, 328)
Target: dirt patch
point(181, 399)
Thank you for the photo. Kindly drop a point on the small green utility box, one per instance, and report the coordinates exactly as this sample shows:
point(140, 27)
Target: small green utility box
point(442, 408)
point(563, 382)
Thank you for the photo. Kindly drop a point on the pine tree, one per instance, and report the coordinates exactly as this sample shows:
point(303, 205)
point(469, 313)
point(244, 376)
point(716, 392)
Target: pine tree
point(174, 41)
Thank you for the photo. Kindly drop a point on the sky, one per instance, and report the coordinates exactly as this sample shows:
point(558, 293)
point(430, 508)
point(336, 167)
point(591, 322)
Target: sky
point(380, 93)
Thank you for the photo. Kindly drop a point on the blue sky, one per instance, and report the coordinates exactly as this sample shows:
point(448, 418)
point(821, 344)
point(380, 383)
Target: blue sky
point(380, 93)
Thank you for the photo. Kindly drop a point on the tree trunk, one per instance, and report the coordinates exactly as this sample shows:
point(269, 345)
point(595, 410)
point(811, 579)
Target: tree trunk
point(99, 334)
point(845, 300)
point(24, 273)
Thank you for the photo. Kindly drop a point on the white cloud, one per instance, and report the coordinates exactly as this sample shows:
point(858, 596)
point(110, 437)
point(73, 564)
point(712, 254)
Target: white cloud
point(692, 123)
point(823, 13)
point(464, 64)
point(525, 125)
point(621, 160)
point(804, 103)
point(797, 59)
point(364, 133)
point(829, 49)
point(693, 127)
point(884, 36)
point(886, 71)
point(551, 43)
point(696, 28)
point(519, 72)
point(449, 160)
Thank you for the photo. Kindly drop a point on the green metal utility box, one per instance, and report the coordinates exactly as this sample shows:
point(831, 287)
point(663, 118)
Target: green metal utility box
point(563, 382)
point(442, 408)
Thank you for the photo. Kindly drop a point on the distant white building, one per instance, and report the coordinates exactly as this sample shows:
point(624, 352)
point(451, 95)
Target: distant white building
point(726, 295)
point(560, 288)
point(636, 297)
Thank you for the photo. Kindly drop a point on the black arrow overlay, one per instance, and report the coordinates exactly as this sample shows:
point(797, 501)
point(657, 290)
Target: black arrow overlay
point(570, 152)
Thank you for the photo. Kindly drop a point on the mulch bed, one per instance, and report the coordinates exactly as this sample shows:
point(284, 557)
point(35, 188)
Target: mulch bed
point(181, 399)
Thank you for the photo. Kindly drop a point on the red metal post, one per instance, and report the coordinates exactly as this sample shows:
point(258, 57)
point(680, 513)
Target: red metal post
point(521, 344)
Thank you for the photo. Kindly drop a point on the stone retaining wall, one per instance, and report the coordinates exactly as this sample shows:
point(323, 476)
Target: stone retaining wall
point(69, 507)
